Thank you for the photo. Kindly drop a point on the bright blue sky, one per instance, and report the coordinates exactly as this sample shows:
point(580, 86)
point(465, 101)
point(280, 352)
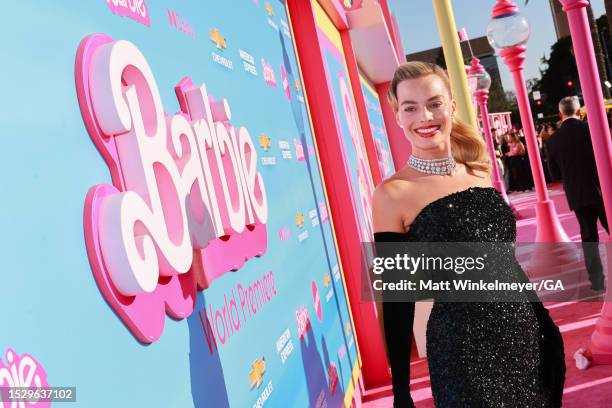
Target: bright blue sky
point(419, 31)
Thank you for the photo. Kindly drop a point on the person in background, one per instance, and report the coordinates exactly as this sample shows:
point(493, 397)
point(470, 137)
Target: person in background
point(550, 129)
point(542, 135)
point(498, 155)
point(513, 148)
point(541, 131)
point(524, 164)
point(520, 174)
point(502, 150)
point(571, 158)
point(521, 136)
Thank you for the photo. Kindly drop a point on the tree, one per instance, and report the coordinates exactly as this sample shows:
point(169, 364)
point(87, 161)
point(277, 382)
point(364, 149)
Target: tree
point(559, 76)
point(599, 54)
point(604, 38)
point(498, 101)
point(531, 84)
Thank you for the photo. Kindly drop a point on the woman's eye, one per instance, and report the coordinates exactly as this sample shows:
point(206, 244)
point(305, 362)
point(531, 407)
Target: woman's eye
point(409, 109)
point(436, 105)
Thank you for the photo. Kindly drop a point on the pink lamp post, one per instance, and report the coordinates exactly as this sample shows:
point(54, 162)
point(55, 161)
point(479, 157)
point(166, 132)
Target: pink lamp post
point(481, 94)
point(601, 340)
point(508, 32)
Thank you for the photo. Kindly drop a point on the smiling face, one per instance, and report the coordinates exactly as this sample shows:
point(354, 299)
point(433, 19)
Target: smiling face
point(425, 110)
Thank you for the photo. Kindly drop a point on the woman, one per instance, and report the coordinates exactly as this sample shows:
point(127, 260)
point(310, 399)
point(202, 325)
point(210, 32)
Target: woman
point(444, 194)
point(512, 165)
point(503, 149)
point(542, 133)
point(547, 131)
point(519, 163)
point(516, 147)
point(550, 129)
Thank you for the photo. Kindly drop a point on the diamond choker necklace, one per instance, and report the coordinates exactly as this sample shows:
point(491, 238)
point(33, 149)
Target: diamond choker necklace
point(441, 167)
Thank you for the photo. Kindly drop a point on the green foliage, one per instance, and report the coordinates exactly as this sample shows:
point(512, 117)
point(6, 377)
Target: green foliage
point(559, 68)
point(498, 100)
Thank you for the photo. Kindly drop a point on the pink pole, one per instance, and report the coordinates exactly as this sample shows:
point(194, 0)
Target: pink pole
point(601, 340)
point(548, 228)
point(482, 96)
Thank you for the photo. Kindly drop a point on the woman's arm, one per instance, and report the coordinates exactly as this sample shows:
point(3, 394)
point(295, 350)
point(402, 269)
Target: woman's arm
point(398, 317)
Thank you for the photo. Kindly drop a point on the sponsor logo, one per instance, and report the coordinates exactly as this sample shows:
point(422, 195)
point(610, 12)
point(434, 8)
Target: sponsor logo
point(265, 142)
point(269, 9)
point(218, 39)
point(258, 369)
point(299, 220)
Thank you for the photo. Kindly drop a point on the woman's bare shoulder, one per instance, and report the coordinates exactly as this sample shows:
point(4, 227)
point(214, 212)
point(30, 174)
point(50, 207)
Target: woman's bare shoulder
point(393, 189)
point(391, 202)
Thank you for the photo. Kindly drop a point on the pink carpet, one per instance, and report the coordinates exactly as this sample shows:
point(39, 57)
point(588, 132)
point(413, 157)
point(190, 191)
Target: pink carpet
point(591, 388)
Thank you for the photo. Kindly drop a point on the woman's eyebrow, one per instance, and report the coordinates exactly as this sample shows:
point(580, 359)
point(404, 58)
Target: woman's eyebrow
point(408, 102)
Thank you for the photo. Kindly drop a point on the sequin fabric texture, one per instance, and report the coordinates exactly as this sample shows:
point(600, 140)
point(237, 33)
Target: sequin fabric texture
point(480, 354)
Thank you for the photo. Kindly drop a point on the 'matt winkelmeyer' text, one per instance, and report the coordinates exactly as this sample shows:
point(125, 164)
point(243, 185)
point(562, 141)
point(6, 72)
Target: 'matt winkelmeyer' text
point(468, 285)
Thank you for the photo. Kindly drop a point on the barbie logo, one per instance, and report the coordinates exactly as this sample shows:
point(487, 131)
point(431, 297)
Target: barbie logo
point(268, 73)
point(134, 9)
point(303, 321)
point(21, 372)
point(187, 203)
point(299, 150)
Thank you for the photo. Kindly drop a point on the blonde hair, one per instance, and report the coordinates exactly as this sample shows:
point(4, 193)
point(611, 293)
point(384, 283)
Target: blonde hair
point(467, 145)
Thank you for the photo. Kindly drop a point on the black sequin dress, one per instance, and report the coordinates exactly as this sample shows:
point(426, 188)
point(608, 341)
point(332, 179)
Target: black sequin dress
point(490, 354)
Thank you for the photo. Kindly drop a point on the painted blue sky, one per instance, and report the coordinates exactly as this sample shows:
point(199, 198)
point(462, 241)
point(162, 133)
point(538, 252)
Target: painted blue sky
point(419, 31)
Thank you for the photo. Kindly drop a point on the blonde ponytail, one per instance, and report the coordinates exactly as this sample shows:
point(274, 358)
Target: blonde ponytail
point(467, 144)
point(468, 147)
